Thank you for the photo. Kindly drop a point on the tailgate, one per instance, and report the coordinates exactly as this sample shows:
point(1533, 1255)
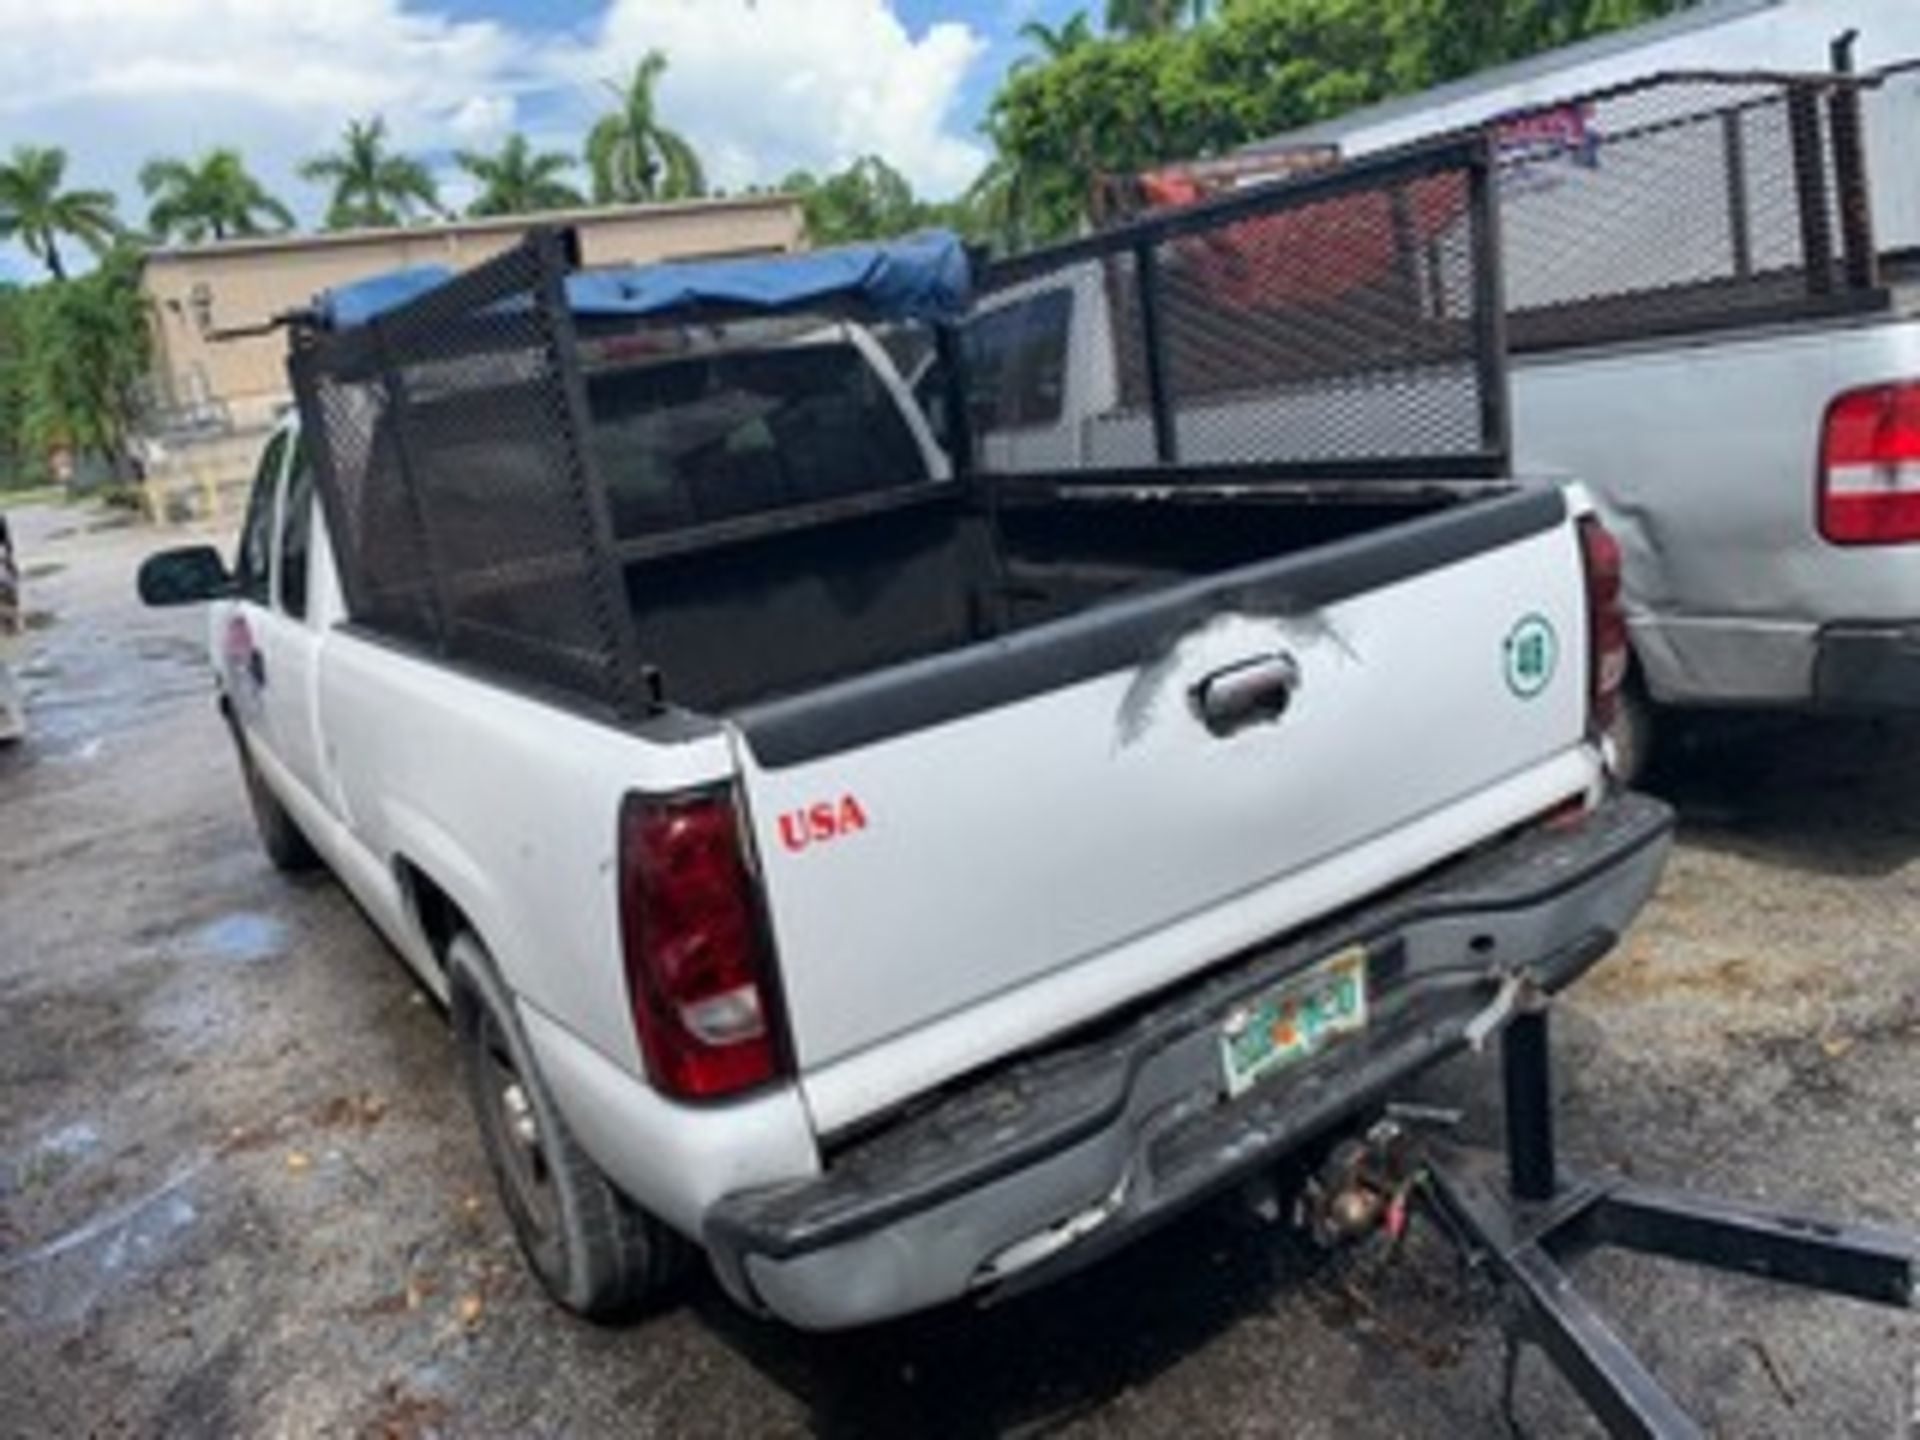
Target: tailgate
point(965, 855)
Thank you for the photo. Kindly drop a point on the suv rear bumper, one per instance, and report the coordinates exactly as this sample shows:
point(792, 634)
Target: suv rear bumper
point(1050, 1161)
point(1868, 667)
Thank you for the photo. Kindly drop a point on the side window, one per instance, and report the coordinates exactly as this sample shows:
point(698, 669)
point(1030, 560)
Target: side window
point(1017, 361)
point(989, 342)
point(1038, 366)
point(251, 567)
point(296, 534)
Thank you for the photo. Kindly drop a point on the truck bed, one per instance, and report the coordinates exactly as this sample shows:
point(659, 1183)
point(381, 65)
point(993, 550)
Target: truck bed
point(767, 616)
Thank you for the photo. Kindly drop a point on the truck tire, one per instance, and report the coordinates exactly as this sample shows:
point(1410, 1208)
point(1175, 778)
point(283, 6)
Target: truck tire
point(280, 837)
point(596, 1253)
point(1633, 733)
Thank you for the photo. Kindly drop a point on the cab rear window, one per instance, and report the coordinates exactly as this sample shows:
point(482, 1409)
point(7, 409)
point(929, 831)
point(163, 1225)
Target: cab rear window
point(695, 439)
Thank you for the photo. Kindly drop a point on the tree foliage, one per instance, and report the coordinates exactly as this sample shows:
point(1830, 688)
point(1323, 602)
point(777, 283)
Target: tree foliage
point(371, 185)
point(632, 154)
point(1151, 92)
point(1050, 42)
point(866, 201)
point(19, 465)
point(519, 180)
point(37, 209)
point(1152, 17)
point(212, 198)
point(80, 350)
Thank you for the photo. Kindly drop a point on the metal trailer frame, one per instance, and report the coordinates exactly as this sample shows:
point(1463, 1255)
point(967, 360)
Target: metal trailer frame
point(1524, 1217)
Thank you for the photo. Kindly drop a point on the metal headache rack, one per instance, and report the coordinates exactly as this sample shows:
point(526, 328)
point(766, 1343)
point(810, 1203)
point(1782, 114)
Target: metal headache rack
point(449, 442)
point(1687, 201)
point(1342, 328)
point(1341, 323)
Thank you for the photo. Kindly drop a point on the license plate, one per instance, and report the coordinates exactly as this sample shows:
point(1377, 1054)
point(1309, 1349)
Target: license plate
point(1296, 1019)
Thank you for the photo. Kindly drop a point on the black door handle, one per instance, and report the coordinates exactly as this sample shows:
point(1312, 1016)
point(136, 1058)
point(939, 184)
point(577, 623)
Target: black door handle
point(257, 667)
point(1252, 692)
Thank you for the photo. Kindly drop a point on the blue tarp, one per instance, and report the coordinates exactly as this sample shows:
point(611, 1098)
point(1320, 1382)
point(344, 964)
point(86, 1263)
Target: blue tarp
point(923, 277)
point(359, 302)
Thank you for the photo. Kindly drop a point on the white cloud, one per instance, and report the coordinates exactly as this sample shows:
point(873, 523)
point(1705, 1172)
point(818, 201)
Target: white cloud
point(763, 87)
point(116, 81)
point(760, 88)
point(483, 118)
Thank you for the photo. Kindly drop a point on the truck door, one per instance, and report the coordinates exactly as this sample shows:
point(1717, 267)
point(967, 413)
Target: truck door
point(239, 624)
point(266, 648)
point(286, 633)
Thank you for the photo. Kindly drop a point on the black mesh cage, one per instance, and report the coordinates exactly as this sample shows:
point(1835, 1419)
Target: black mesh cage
point(1344, 321)
point(1682, 202)
point(448, 437)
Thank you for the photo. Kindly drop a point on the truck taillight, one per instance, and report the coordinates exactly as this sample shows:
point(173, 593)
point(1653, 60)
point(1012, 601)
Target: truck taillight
point(1870, 466)
point(697, 959)
point(1606, 622)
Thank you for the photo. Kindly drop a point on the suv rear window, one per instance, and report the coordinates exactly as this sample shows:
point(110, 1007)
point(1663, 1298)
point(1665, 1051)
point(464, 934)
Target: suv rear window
point(692, 440)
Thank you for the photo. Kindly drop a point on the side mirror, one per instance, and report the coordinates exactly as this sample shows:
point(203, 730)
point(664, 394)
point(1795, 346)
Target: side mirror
point(184, 576)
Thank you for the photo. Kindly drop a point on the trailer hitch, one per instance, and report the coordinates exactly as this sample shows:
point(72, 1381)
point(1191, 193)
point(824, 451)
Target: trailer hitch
point(1523, 1218)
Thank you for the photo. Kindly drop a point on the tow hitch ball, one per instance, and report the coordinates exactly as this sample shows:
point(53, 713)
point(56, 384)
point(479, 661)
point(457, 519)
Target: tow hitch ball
point(1363, 1186)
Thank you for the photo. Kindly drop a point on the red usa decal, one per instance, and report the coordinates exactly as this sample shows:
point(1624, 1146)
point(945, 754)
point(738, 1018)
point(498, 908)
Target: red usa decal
point(822, 822)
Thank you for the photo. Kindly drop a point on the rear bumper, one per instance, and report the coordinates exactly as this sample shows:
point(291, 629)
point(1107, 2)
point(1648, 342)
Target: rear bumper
point(1043, 1165)
point(1868, 667)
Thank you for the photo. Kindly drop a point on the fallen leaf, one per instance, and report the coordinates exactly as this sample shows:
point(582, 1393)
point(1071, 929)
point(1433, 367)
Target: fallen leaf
point(298, 1160)
point(469, 1311)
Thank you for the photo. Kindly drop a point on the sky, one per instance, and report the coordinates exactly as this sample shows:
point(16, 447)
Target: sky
point(761, 87)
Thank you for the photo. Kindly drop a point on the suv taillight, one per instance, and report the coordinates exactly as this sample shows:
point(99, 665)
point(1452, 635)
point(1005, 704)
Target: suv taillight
point(1870, 466)
point(698, 963)
point(1606, 623)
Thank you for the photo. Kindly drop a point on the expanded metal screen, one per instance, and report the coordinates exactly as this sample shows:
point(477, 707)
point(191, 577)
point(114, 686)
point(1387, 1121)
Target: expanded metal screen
point(1682, 202)
point(447, 438)
point(1345, 321)
point(1890, 108)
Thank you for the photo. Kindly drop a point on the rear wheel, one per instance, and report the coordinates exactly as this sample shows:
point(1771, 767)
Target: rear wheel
point(280, 837)
point(596, 1253)
point(1632, 732)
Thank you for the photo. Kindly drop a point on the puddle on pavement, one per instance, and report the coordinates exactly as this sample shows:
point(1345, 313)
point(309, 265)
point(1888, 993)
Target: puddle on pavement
point(246, 936)
point(59, 1281)
point(48, 1160)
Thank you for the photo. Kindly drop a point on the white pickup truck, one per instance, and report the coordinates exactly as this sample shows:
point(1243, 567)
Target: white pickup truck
point(992, 881)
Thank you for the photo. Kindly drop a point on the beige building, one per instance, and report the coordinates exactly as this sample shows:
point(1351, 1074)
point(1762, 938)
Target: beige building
point(213, 399)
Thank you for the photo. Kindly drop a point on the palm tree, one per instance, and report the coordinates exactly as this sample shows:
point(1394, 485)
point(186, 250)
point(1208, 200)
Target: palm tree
point(1055, 42)
point(519, 180)
point(36, 211)
point(211, 198)
point(632, 155)
point(995, 205)
point(371, 185)
point(1152, 17)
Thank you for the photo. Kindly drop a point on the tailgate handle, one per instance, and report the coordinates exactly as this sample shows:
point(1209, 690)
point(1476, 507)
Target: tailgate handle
point(1250, 692)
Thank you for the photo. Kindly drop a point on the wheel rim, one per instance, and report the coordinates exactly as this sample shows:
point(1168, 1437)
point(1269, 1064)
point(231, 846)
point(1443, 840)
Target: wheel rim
point(516, 1133)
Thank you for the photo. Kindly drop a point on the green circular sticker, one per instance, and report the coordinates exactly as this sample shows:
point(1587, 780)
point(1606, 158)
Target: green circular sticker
point(1532, 653)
